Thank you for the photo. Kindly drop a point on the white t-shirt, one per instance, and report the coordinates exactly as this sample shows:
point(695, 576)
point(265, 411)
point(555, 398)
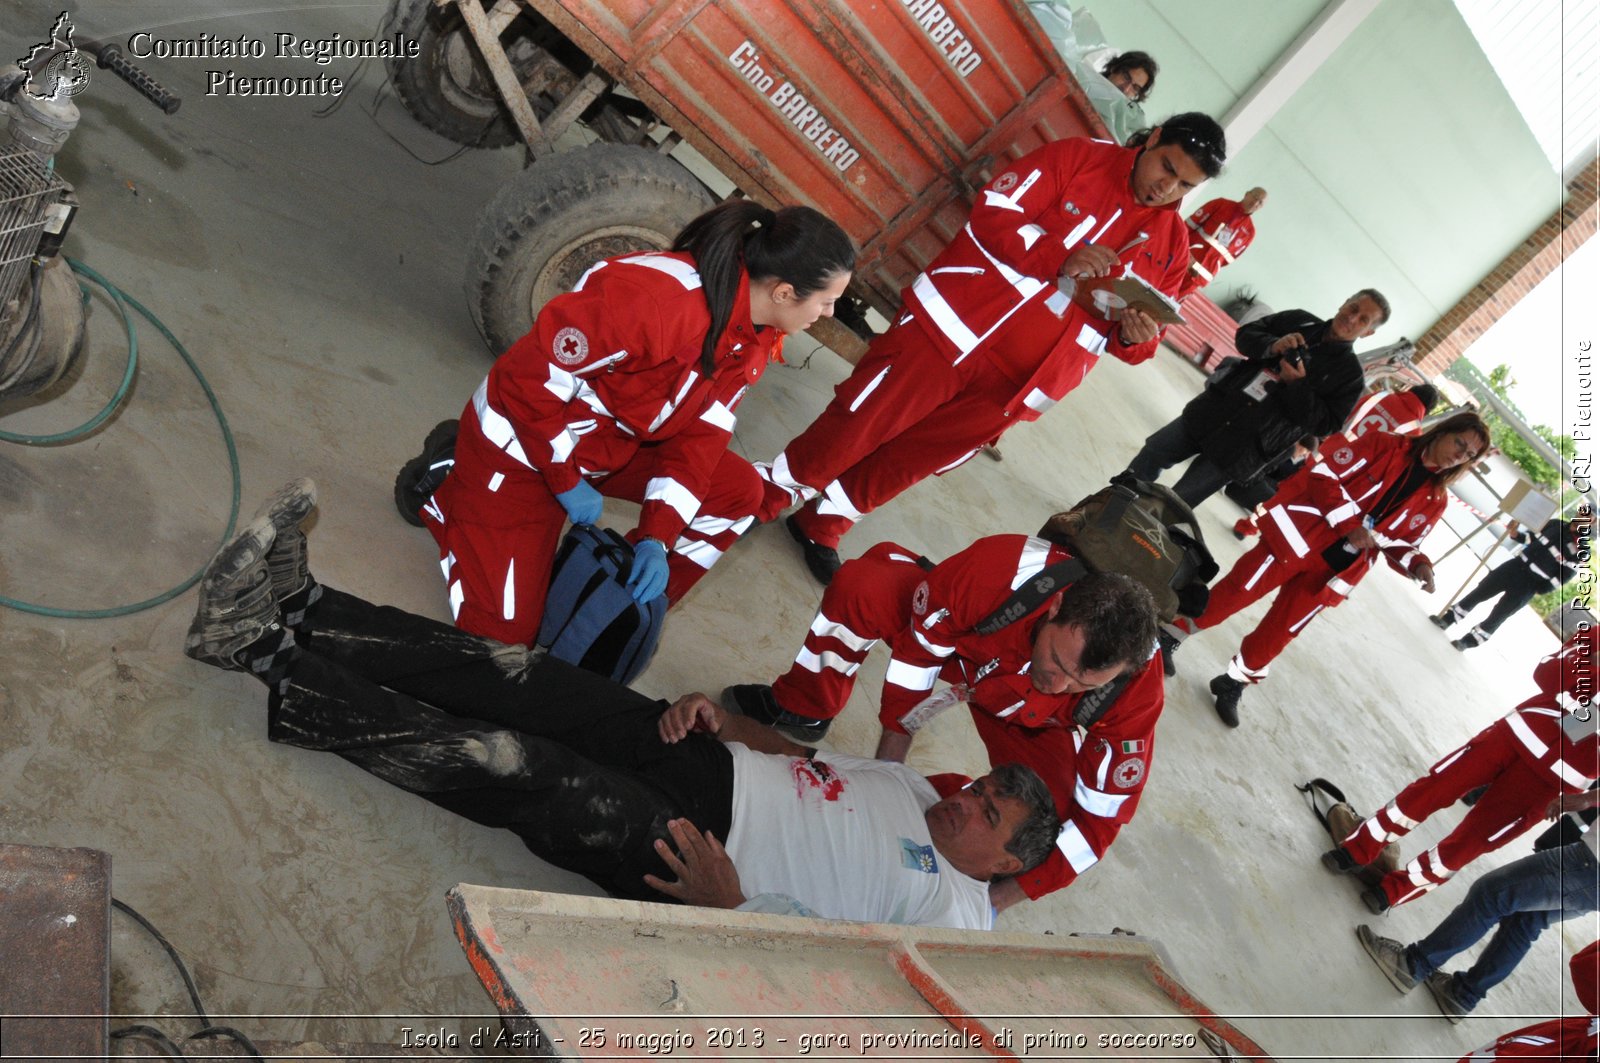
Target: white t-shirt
point(846, 837)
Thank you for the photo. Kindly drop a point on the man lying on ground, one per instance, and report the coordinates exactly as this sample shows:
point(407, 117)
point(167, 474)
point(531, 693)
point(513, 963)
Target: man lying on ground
point(594, 777)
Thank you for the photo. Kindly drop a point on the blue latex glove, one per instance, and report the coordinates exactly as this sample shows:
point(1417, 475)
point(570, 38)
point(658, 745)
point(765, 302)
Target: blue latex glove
point(582, 503)
point(648, 580)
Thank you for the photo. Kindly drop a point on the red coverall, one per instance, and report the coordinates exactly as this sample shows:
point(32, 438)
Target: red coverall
point(1576, 1037)
point(1315, 508)
point(1229, 226)
point(606, 388)
point(985, 338)
point(927, 616)
point(1547, 747)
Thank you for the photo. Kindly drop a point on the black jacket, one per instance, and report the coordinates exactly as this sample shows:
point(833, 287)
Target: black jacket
point(1241, 435)
point(1553, 551)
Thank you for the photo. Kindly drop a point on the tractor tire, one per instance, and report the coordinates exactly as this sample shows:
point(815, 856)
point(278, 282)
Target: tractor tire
point(560, 216)
point(447, 88)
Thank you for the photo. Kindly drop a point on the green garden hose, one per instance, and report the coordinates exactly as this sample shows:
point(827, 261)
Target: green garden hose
point(123, 301)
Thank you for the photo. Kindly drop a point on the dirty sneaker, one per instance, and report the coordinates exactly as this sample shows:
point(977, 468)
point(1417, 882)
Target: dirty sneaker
point(237, 609)
point(1442, 985)
point(292, 584)
point(1390, 956)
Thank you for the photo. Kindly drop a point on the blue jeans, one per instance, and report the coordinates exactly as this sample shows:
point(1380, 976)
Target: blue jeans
point(1524, 898)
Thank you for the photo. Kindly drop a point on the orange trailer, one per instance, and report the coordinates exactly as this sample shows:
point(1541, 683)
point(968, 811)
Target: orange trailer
point(886, 115)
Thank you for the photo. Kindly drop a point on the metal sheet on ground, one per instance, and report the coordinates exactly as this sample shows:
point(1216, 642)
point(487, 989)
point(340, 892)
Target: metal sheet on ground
point(584, 977)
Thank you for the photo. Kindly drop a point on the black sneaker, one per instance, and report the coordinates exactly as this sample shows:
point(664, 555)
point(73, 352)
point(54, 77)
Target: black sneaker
point(1442, 985)
point(1169, 648)
point(292, 583)
point(1445, 620)
point(755, 701)
point(823, 561)
point(1339, 861)
point(420, 477)
point(1376, 900)
point(1227, 690)
point(1465, 642)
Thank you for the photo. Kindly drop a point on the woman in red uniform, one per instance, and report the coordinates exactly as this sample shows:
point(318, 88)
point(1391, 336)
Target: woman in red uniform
point(1322, 532)
point(627, 386)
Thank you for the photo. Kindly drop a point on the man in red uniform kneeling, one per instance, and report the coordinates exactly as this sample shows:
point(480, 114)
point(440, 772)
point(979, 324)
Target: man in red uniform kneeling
point(1072, 687)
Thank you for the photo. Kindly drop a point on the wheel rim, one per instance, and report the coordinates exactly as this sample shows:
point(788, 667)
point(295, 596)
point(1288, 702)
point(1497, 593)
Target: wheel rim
point(463, 79)
point(561, 270)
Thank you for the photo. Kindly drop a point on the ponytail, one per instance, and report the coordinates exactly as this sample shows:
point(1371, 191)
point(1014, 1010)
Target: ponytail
point(796, 245)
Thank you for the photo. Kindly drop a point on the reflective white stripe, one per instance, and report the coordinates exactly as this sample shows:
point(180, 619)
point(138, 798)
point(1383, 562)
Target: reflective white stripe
point(932, 647)
point(496, 480)
point(697, 551)
point(1038, 401)
point(903, 558)
point(1075, 847)
point(778, 473)
point(446, 563)
point(934, 617)
point(671, 405)
point(1009, 710)
point(1096, 803)
point(910, 676)
point(678, 270)
point(1241, 674)
point(943, 315)
point(1294, 629)
point(1071, 239)
point(822, 627)
point(1446, 762)
point(1255, 577)
point(508, 599)
point(1341, 587)
point(1107, 225)
point(680, 498)
point(1343, 513)
point(457, 596)
point(1568, 774)
point(1026, 286)
point(1525, 735)
point(1291, 534)
point(431, 508)
point(1030, 234)
point(1435, 868)
point(717, 525)
point(869, 389)
point(968, 456)
point(835, 503)
point(589, 273)
point(971, 271)
point(1035, 552)
point(1509, 826)
point(816, 662)
point(496, 429)
point(1205, 274)
point(719, 416)
point(562, 446)
point(1090, 339)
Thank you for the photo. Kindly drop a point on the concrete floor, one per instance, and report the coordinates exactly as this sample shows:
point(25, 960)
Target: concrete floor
point(313, 267)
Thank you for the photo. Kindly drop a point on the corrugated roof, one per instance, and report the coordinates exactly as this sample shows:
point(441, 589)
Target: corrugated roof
point(1545, 52)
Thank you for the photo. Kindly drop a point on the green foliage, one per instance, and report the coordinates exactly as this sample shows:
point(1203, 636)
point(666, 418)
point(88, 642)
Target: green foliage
point(1512, 445)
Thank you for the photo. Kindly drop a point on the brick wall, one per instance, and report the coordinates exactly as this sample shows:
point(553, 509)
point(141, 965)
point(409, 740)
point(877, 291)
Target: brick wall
point(1561, 234)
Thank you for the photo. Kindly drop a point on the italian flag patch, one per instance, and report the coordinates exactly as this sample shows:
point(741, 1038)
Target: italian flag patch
point(1133, 747)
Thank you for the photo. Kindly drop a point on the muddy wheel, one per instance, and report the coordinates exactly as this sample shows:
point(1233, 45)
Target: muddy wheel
point(447, 87)
point(560, 216)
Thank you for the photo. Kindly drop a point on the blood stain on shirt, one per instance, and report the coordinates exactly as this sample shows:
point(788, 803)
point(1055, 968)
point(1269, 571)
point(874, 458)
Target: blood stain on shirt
point(816, 775)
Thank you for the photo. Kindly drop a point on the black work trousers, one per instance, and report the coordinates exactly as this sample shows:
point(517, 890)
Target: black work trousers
point(1514, 583)
point(567, 760)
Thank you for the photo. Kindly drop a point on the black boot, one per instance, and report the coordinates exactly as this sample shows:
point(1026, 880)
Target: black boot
point(822, 561)
point(420, 477)
point(1227, 690)
point(755, 701)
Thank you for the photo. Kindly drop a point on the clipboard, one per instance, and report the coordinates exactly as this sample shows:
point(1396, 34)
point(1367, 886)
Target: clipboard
point(1105, 297)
